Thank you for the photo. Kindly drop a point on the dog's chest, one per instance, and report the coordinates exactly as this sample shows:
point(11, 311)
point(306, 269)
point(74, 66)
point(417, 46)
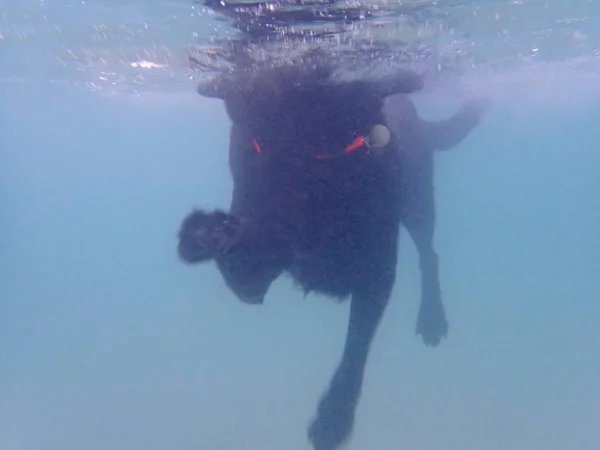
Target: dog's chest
point(332, 204)
point(331, 211)
point(333, 229)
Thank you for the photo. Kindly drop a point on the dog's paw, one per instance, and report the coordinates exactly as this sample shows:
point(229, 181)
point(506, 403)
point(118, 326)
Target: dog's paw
point(334, 421)
point(204, 236)
point(432, 324)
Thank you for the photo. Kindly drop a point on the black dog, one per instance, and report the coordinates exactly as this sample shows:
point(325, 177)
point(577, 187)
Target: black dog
point(319, 192)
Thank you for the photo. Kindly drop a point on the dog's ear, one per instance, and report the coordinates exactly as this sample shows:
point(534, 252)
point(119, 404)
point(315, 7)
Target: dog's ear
point(401, 82)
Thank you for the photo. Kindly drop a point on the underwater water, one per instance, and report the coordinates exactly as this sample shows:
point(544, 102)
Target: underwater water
point(107, 341)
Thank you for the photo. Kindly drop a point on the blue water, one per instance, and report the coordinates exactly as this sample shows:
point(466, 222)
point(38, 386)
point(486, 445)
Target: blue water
point(108, 342)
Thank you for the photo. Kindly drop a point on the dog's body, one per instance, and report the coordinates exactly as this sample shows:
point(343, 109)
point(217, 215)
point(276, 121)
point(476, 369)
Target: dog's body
point(312, 198)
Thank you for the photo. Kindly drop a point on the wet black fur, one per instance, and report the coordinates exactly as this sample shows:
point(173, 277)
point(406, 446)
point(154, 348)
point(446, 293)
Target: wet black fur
point(332, 224)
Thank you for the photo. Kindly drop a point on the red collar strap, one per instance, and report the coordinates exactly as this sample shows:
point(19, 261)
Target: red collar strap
point(357, 144)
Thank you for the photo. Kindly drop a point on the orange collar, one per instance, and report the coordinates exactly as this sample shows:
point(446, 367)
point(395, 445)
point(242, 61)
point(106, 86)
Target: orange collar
point(358, 143)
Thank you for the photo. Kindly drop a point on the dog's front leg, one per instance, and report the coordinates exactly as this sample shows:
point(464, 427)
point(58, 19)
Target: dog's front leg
point(335, 415)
